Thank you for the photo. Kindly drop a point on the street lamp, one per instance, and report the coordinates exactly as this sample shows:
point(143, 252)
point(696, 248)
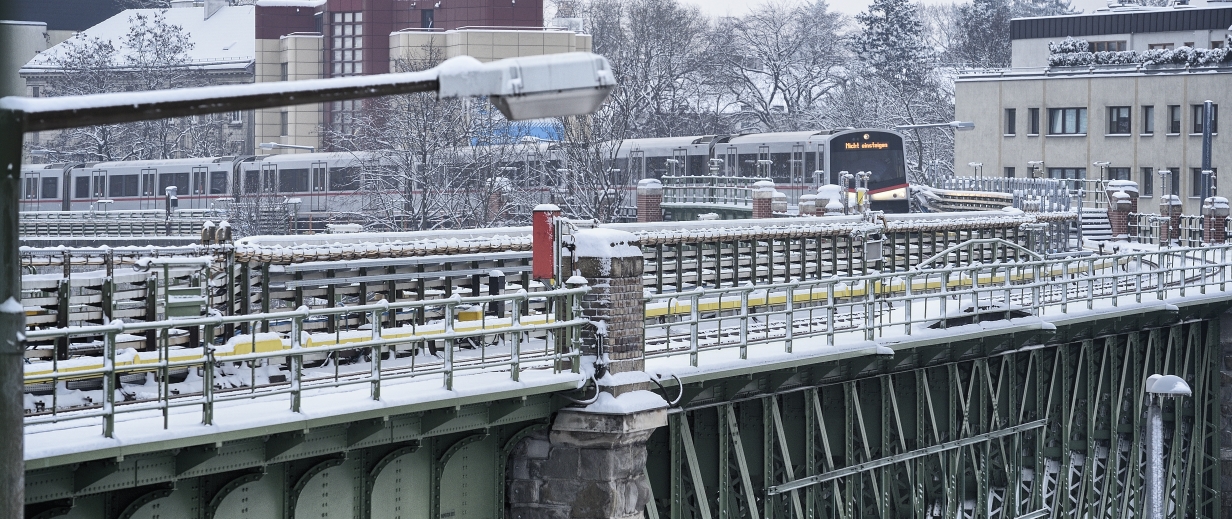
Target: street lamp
point(1103, 168)
point(1158, 387)
point(961, 126)
point(977, 169)
point(1037, 167)
point(279, 145)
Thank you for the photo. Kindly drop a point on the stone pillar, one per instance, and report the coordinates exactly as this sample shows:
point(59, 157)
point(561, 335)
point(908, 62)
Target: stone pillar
point(807, 205)
point(649, 200)
point(612, 265)
point(763, 202)
point(590, 466)
point(778, 204)
point(496, 204)
point(1215, 220)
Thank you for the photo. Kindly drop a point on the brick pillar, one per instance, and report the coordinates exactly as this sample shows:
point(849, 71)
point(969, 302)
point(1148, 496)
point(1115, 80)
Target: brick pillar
point(1118, 213)
point(1170, 227)
point(649, 200)
point(763, 202)
point(496, 204)
point(808, 205)
point(1215, 220)
point(1130, 189)
point(613, 268)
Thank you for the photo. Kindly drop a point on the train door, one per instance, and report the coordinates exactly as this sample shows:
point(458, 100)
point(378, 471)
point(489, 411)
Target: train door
point(763, 161)
point(30, 191)
point(149, 189)
point(731, 162)
point(680, 162)
point(822, 175)
point(797, 165)
point(318, 199)
point(199, 189)
point(269, 179)
point(637, 165)
point(98, 188)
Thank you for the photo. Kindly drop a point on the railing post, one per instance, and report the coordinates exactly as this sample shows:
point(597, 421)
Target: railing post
point(109, 384)
point(207, 377)
point(515, 354)
point(12, 320)
point(297, 362)
point(449, 342)
point(377, 352)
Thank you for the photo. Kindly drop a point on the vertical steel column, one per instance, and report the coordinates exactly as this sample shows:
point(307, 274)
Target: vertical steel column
point(12, 321)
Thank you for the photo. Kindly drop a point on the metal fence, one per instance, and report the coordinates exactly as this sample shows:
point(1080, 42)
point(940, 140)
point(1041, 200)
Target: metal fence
point(487, 333)
point(944, 293)
point(710, 190)
point(1054, 195)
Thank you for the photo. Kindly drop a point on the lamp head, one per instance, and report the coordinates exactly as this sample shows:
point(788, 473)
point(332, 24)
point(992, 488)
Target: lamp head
point(1167, 385)
point(962, 126)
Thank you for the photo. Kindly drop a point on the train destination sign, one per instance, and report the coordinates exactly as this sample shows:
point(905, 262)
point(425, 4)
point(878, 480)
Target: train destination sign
point(866, 145)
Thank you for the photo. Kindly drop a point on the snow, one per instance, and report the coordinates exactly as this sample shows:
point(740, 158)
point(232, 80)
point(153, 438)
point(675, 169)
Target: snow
point(1169, 385)
point(605, 243)
point(631, 402)
point(228, 38)
point(546, 207)
point(290, 3)
point(11, 306)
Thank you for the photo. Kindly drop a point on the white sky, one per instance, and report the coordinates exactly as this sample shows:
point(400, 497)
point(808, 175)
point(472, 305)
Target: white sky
point(850, 7)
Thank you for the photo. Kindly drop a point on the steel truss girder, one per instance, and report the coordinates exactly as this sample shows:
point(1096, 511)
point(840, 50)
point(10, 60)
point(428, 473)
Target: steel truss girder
point(1046, 431)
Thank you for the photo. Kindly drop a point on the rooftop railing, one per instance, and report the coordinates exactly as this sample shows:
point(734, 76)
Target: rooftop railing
point(709, 190)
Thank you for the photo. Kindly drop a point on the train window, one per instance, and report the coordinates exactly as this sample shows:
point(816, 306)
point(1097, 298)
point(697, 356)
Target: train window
point(293, 181)
point(51, 187)
point(780, 170)
point(656, 167)
point(148, 187)
point(81, 187)
point(344, 179)
point(179, 180)
point(698, 165)
point(252, 181)
point(747, 165)
point(123, 185)
point(218, 182)
point(29, 188)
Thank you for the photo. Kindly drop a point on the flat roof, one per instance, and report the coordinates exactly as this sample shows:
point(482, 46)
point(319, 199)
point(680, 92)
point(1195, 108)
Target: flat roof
point(1123, 22)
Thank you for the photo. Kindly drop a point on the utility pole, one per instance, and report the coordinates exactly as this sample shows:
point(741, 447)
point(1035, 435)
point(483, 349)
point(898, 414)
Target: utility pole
point(12, 321)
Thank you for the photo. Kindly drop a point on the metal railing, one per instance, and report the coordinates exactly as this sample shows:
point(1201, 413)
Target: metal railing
point(710, 190)
point(1053, 194)
point(854, 309)
point(269, 365)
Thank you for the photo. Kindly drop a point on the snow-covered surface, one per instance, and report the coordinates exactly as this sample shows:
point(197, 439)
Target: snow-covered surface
point(631, 402)
point(1170, 385)
point(605, 243)
point(290, 3)
point(225, 40)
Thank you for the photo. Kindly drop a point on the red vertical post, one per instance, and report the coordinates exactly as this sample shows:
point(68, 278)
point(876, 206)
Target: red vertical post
point(543, 241)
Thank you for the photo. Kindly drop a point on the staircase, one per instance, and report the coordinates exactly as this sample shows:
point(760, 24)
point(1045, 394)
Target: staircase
point(1095, 224)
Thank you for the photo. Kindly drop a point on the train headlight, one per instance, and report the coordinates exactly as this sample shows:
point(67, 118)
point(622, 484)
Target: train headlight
point(535, 87)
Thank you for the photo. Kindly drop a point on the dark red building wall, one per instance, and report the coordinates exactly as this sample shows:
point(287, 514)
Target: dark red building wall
point(276, 22)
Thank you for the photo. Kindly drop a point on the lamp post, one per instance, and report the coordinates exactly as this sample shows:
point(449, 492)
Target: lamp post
point(961, 126)
point(279, 145)
point(1103, 168)
point(977, 169)
point(1037, 167)
point(1157, 388)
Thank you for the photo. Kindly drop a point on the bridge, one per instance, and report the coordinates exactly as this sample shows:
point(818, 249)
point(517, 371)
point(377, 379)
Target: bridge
point(976, 364)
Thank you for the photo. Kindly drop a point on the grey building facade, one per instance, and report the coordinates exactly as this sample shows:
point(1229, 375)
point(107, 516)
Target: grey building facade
point(1125, 121)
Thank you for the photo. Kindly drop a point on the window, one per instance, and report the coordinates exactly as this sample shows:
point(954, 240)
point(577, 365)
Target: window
point(1175, 180)
point(1033, 121)
point(1118, 173)
point(1148, 183)
point(427, 19)
point(1174, 119)
point(1067, 121)
point(1107, 46)
point(1196, 176)
point(218, 182)
point(1011, 121)
point(1216, 44)
point(343, 115)
point(34, 91)
point(282, 71)
point(343, 179)
point(348, 42)
point(293, 181)
point(81, 187)
point(179, 180)
point(236, 117)
point(123, 185)
point(1160, 46)
point(1074, 175)
point(1198, 118)
point(1148, 120)
point(1009, 172)
point(282, 124)
point(51, 187)
point(1188, 44)
point(1118, 120)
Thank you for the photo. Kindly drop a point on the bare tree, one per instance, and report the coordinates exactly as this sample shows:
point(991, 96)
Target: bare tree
point(781, 61)
point(153, 55)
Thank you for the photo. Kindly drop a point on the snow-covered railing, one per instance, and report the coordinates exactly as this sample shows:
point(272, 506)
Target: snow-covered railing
point(488, 334)
point(1053, 195)
point(709, 190)
point(713, 328)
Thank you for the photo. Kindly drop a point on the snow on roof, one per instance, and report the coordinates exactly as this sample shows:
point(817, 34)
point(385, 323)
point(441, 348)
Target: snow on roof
point(290, 3)
point(226, 40)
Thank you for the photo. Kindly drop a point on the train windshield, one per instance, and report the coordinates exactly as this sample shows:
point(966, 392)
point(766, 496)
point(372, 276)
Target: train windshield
point(879, 153)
